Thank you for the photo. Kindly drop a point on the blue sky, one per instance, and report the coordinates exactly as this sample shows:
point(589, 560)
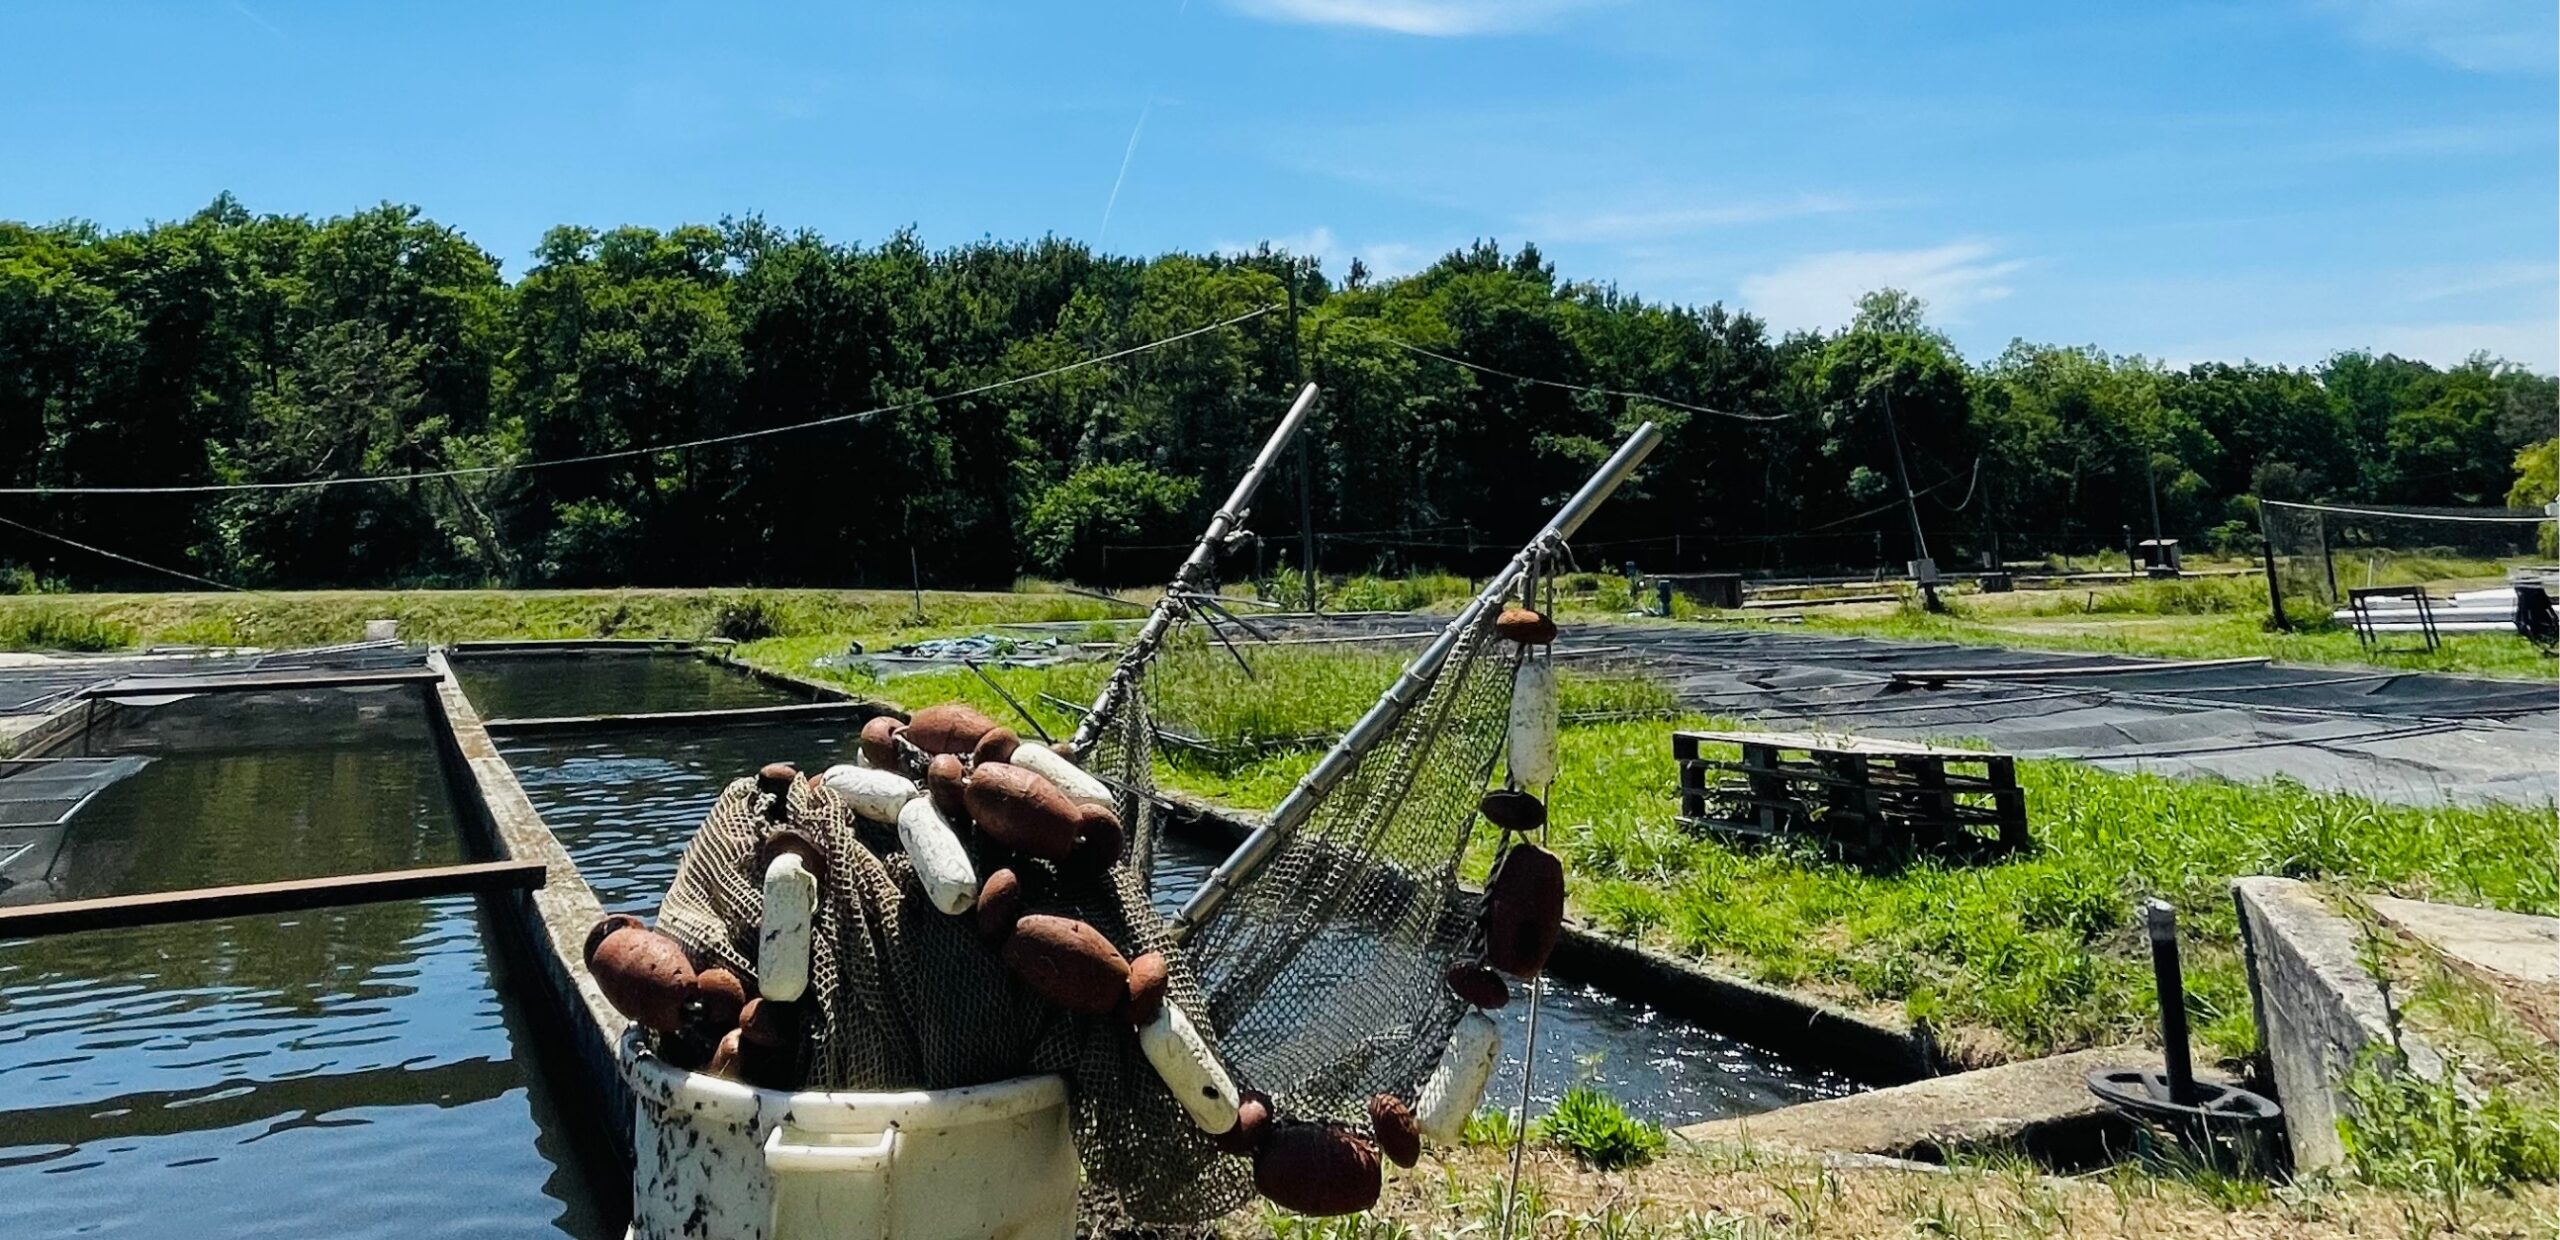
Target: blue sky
point(2274, 180)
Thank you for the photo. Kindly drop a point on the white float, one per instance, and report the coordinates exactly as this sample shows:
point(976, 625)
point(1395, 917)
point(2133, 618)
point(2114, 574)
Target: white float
point(1457, 1084)
point(1079, 785)
point(1535, 721)
point(874, 794)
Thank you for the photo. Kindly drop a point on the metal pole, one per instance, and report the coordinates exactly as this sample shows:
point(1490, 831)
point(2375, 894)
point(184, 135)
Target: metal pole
point(1382, 718)
point(1195, 568)
point(2275, 593)
point(1910, 502)
point(1306, 467)
point(2161, 921)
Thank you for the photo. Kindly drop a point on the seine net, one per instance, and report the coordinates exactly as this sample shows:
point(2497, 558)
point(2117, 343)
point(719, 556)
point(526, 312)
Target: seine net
point(904, 997)
point(1324, 971)
point(2322, 552)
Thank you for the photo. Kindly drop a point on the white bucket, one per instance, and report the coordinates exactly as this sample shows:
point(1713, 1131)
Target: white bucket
point(721, 1159)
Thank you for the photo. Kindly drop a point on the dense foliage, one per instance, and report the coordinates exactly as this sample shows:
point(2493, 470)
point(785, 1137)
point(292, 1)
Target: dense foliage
point(237, 348)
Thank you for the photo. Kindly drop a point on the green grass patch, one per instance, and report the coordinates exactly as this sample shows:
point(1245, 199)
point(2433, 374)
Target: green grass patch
point(1590, 1125)
point(1295, 702)
point(2030, 956)
point(321, 617)
point(41, 627)
point(2205, 634)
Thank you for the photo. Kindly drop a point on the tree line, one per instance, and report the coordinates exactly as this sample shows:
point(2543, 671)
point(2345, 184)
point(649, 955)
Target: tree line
point(232, 349)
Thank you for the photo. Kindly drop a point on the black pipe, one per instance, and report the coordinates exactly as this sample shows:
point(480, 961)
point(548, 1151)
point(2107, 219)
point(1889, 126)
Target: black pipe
point(2161, 920)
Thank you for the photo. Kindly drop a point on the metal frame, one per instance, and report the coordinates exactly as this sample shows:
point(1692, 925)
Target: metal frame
point(1301, 803)
point(1189, 581)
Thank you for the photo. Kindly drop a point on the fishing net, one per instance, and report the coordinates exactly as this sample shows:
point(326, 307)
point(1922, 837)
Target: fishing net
point(1324, 972)
point(902, 996)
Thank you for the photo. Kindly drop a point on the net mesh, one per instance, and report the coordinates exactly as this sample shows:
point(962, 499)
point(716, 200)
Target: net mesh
point(904, 997)
point(1324, 970)
point(2322, 552)
point(1321, 984)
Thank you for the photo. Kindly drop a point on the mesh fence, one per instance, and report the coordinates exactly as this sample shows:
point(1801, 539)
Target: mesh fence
point(2322, 552)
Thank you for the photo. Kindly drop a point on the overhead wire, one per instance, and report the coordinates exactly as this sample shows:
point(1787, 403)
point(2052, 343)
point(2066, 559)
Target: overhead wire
point(209, 488)
point(1579, 387)
point(118, 555)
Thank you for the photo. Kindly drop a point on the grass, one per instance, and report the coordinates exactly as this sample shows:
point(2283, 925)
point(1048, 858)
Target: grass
point(1741, 1193)
point(2194, 635)
point(1297, 700)
point(60, 628)
point(2188, 618)
point(2030, 956)
point(321, 617)
point(1590, 1125)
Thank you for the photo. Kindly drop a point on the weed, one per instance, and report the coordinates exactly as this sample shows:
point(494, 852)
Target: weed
point(1591, 1126)
point(2403, 1131)
point(59, 628)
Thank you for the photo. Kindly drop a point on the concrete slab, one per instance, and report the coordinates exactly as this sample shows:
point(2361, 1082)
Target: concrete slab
point(2036, 1104)
point(2319, 1011)
point(2518, 946)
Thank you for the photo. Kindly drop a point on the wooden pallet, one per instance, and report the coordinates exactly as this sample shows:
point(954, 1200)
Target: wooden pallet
point(1865, 798)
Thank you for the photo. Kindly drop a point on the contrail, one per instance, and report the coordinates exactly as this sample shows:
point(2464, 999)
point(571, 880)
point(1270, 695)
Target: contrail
point(1125, 157)
point(252, 15)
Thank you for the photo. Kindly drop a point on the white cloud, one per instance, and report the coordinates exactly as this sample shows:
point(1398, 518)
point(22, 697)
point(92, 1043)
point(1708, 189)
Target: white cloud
point(2485, 278)
point(1822, 290)
point(1634, 225)
point(2484, 36)
point(2534, 342)
point(1428, 18)
point(1385, 259)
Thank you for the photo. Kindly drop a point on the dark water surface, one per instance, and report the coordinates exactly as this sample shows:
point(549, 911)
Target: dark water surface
point(543, 686)
point(341, 1072)
point(625, 805)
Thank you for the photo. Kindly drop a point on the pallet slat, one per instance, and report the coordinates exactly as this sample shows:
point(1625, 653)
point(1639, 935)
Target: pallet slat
point(1861, 797)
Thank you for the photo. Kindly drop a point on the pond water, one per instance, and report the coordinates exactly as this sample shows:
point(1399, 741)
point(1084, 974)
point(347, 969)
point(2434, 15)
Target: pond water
point(551, 685)
point(625, 805)
point(343, 1072)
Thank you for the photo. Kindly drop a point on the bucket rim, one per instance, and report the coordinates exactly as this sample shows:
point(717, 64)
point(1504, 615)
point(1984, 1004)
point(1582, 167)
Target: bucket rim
point(1011, 1098)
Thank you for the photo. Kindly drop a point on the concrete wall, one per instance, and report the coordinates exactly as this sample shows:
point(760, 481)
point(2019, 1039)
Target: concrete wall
point(2318, 1010)
point(543, 935)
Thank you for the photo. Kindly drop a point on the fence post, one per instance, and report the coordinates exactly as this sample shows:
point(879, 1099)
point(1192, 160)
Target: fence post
point(2275, 593)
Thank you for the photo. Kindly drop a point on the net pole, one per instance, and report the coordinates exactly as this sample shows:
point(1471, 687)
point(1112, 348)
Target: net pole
point(1408, 689)
point(2275, 592)
point(1142, 648)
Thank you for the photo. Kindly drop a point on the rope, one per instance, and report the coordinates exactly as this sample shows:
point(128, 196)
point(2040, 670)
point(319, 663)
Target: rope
point(208, 488)
point(2414, 515)
point(1537, 985)
point(117, 555)
point(1597, 391)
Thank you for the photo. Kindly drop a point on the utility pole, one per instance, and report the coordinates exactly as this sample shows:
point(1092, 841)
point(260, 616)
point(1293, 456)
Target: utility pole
point(1306, 467)
point(1910, 504)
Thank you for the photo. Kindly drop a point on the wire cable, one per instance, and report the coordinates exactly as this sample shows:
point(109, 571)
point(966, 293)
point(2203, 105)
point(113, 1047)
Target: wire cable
point(208, 488)
point(118, 555)
point(2511, 518)
point(1601, 391)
